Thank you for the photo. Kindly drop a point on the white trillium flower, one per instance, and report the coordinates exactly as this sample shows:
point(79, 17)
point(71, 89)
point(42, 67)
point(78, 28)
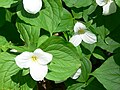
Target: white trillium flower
point(109, 6)
point(81, 33)
point(32, 6)
point(36, 61)
point(77, 74)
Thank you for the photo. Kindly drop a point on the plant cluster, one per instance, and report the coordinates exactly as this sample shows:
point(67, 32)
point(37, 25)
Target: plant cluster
point(71, 42)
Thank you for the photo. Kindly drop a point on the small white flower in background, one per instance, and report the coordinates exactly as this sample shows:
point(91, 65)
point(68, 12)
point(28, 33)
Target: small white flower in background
point(13, 50)
point(77, 74)
point(81, 33)
point(109, 6)
point(36, 61)
point(32, 6)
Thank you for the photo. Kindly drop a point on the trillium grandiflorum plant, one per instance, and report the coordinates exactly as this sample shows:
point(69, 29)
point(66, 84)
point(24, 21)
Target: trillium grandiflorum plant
point(32, 6)
point(36, 61)
point(81, 33)
point(109, 6)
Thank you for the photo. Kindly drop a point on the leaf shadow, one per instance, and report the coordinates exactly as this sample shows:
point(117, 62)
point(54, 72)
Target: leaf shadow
point(21, 80)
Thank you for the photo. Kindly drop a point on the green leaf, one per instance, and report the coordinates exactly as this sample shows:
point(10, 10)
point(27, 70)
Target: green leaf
point(77, 3)
point(41, 40)
point(108, 74)
point(86, 68)
point(9, 15)
point(8, 68)
point(29, 34)
point(112, 44)
point(65, 58)
point(102, 31)
point(77, 86)
point(7, 3)
point(66, 23)
point(117, 2)
point(77, 13)
point(3, 43)
point(99, 54)
point(94, 84)
point(88, 11)
point(87, 49)
point(48, 18)
point(24, 82)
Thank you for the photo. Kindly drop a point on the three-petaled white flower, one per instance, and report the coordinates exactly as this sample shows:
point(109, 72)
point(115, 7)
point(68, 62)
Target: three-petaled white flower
point(36, 61)
point(77, 74)
point(32, 6)
point(109, 6)
point(81, 33)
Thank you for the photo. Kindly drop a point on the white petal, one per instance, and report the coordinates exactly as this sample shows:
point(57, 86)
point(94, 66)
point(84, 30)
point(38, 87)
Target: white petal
point(77, 74)
point(101, 2)
point(24, 59)
point(13, 50)
point(37, 71)
point(109, 8)
point(43, 57)
point(32, 6)
point(75, 40)
point(78, 26)
point(89, 37)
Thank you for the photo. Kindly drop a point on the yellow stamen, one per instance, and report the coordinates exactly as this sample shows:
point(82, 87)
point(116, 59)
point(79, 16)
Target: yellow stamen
point(34, 58)
point(81, 31)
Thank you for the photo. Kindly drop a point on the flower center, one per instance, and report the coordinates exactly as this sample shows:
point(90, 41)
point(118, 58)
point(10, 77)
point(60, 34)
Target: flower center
point(81, 31)
point(34, 58)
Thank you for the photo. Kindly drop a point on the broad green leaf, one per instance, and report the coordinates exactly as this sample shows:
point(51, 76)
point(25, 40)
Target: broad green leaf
point(86, 68)
point(29, 34)
point(66, 23)
point(8, 68)
point(48, 18)
point(117, 2)
point(7, 3)
point(77, 3)
point(108, 74)
point(65, 58)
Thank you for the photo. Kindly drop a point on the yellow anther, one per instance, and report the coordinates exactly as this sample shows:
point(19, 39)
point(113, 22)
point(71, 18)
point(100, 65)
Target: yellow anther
point(34, 58)
point(81, 31)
